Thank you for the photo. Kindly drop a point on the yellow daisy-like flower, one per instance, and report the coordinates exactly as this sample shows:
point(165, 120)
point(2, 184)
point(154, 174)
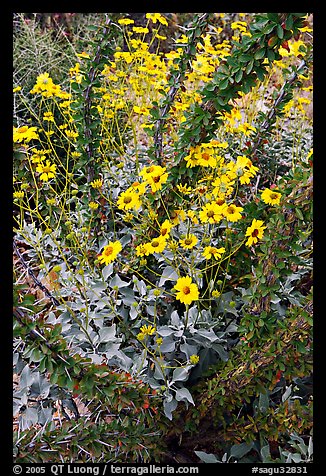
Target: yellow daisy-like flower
point(255, 232)
point(24, 134)
point(146, 330)
point(212, 251)
point(216, 293)
point(125, 21)
point(157, 245)
point(156, 17)
point(223, 185)
point(211, 213)
point(128, 200)
point(156, 181)
point(187, 290)
point(47, 171)
point(97, 183)
point(177, 215)
point(141, 250)
point(192, 215)
point(232, 212)
point(184, 189)
point(110, 252)
point(206, 159)
point(246, 128)
point(141, 110)
point(271, 197)
point(48, 116)
point(19, 194)
point(189, 242)
point(71, 134)
point(140, 187)
point(194, 359)
point(165, 228)
point(146, 172)
point(83, 54)
point(93, 205)
point(140, 29)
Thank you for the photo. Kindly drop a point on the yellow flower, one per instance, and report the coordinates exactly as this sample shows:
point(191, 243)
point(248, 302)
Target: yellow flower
point(125, 21)
point(176, 216)
point(206, 159)
point(271, 197)
point(110, 252)
point(165, 228)
point(140, 29)
point(141, 110)
point(155, 176)
point(19, 194)
point(83, 54)
point(146, 330)
point(93, 205)
point(211, 213)
point(47, 171)
point(189, 242)
point(246, 128)
point(232, 212)
point(156, 17)
point(187, 290)
point(16, 89)
point(24, 134)
point(184, 189)
point(194, 359)
point(97, 183)
point(255, 232)
point(141, 250)
point(71, 134)
point(129, 199)
point(192, 215)
point(216, 293)
point(146, 172)
point(210, 251)
point(157, 245)
point(48, 116)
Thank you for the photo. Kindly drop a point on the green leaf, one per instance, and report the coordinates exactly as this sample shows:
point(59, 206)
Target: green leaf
point(183, 394)
point(249, 66)
point(244, 58)
point(289, 22)
point(168, 273)
point(238, 451)
point(238, 77)
point(92, 27)
point(270, 55)
point(273, 17)
point(260, 53)
point(263, 403)
point(260, 73)
point(280, 32)
point(298, 212)
point(117, 281)
point(207, 457)
point(224, 84)
point(180, 374)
